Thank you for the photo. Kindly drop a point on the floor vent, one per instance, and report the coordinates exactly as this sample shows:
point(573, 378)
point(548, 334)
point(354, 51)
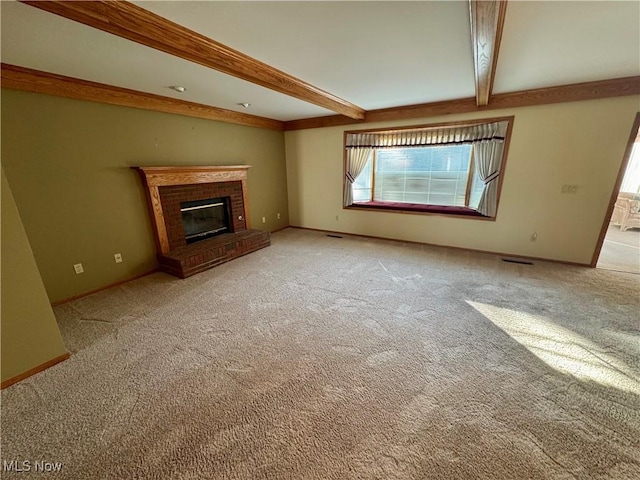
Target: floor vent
point(334, 236)
point(513, 260)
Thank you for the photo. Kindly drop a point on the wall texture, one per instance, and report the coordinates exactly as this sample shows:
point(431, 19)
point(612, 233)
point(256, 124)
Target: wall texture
point(67, 162)
point(30, 335)
point(578, 143)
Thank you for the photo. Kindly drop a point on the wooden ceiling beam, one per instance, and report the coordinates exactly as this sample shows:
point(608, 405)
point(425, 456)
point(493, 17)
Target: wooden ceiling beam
point(577, 92)
point(487, 20)
point(134, 23)
point(26, 79)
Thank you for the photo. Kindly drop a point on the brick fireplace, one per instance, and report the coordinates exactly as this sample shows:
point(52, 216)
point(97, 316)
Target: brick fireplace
point(173, 190)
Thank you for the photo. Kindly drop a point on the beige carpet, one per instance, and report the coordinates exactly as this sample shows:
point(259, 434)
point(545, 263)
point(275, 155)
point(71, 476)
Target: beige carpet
point(328, 358)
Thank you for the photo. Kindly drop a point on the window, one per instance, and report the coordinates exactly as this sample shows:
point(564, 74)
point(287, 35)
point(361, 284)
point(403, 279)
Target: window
point(631, 180)
point(445, 169)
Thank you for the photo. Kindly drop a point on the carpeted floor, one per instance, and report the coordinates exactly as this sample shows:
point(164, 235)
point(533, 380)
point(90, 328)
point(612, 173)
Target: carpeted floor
point(342, 358)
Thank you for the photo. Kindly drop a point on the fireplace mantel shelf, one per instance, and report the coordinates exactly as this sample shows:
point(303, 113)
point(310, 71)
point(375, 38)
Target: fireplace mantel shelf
point(194, 168)
point(164, 176)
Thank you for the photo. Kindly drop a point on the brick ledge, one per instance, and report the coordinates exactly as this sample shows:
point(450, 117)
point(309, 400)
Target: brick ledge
point(200, 256)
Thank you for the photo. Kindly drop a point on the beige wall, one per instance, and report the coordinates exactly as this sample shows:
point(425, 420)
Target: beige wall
point(30, 335)
point(574, 143)
point(67, 162)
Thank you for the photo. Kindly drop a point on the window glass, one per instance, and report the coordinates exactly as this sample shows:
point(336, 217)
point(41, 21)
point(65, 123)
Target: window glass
point(435, 175)
point(362, 185)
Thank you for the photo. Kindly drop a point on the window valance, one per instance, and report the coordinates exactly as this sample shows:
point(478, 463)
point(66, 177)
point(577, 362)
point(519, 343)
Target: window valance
point(446, 135)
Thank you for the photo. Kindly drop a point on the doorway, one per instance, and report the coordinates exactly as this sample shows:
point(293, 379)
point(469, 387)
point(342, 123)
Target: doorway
point(618, 247)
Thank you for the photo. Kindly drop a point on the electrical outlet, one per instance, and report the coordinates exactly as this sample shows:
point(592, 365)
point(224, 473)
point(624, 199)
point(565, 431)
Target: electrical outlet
point(118, 257)
point(569, 189)
point(278, 216)
point(534, 236)
point(78, 268)
point(264, 219)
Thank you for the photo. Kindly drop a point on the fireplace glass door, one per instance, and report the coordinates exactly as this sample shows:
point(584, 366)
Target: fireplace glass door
point(202, 219)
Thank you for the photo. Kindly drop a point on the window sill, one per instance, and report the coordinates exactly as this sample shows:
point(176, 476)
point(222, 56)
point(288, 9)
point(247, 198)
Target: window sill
point(418, 208)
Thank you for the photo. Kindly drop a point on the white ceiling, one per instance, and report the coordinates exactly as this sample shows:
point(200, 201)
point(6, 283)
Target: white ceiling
point(374, 54)
point(557, 43)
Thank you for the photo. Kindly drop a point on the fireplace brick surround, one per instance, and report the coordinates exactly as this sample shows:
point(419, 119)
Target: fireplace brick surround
point(168, 187)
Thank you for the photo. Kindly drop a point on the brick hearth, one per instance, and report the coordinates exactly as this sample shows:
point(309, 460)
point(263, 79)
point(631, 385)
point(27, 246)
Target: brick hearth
point(197, 257)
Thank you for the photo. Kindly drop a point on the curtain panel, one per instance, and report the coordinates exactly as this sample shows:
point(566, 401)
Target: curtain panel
point(357, 159)
point(488, 156)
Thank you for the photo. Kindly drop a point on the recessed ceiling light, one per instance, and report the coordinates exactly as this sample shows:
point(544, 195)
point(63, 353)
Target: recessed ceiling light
point(177, 88)
point(245, 105)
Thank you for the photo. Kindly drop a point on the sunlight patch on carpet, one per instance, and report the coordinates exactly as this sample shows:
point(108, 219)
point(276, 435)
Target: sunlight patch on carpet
point(562, 349)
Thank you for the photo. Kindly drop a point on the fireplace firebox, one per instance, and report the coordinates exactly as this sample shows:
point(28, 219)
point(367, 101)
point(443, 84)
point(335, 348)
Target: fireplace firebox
point(202, 219)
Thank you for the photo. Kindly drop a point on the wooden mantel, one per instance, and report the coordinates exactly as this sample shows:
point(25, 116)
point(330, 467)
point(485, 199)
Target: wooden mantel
point(155, 177)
